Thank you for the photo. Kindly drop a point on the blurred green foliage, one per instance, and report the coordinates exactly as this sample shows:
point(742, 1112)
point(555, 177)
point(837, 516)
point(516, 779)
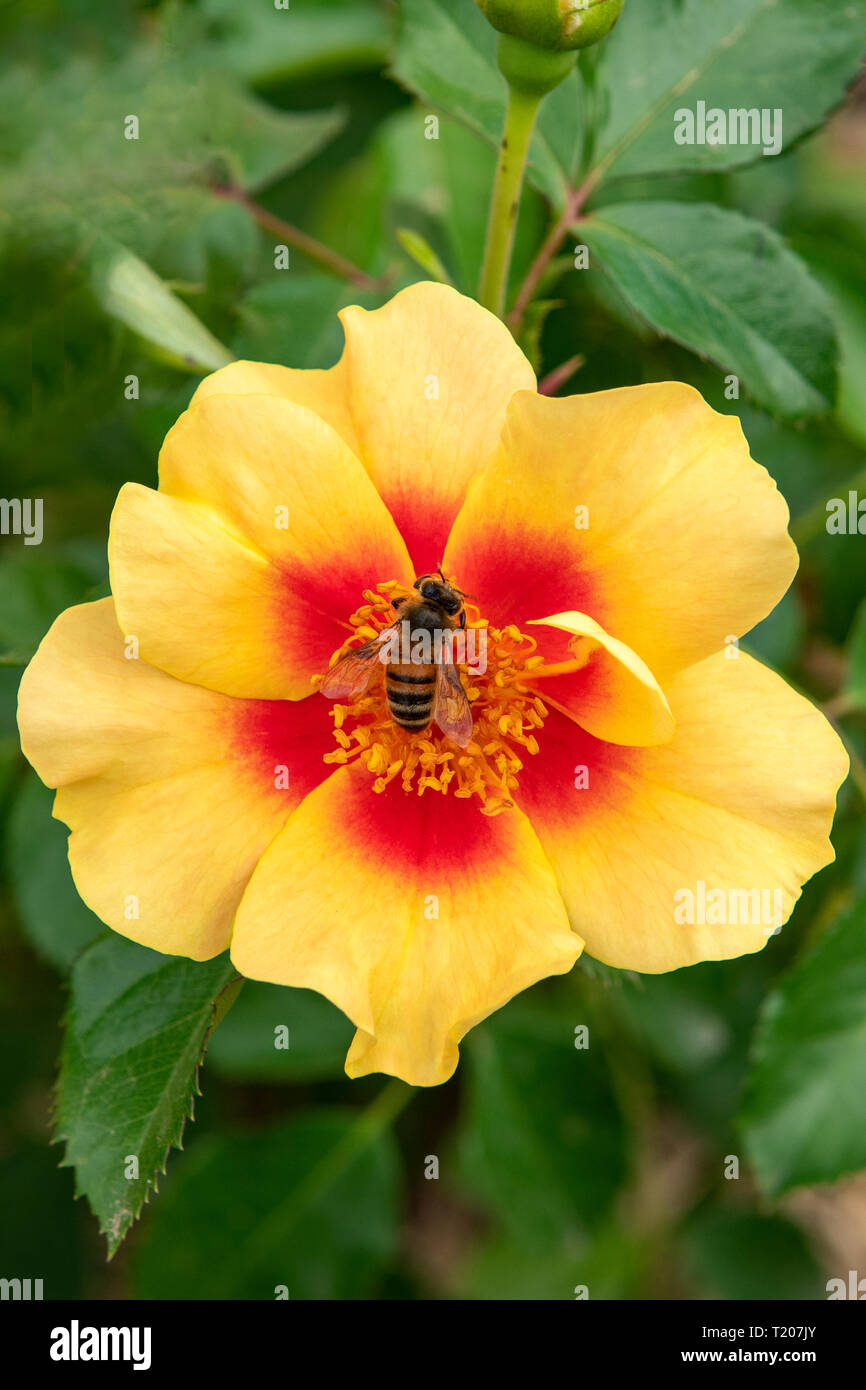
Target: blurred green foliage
point(558, 1166)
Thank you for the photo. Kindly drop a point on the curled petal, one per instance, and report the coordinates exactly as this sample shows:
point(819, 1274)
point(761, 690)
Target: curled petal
point(740, 801)
point(610, 692)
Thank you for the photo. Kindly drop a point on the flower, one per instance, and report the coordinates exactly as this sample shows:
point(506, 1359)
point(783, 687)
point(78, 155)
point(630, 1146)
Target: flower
point(624, 750)
point(553, 24)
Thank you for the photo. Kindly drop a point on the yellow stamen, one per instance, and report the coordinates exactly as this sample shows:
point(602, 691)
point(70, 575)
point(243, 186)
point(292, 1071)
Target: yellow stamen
point(506, 716)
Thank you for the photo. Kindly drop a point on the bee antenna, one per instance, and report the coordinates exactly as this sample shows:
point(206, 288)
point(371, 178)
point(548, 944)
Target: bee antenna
point(448, 582)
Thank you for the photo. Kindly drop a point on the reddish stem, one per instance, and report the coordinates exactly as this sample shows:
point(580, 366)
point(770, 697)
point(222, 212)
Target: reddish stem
point(549, 247)
point(550, 384)
point(293, 236)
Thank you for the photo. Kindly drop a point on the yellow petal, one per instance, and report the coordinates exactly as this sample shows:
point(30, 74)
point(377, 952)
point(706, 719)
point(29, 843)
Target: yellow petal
point(639, 506)
point(240, 573)
point(420, 394)
point(417, 916)
point(611, 693)
point(738, 805)
point(323, 392)
point(169, 789)
point(430, 376)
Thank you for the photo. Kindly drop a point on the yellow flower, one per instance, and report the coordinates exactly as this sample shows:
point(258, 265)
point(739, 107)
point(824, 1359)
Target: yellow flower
point(623, 753)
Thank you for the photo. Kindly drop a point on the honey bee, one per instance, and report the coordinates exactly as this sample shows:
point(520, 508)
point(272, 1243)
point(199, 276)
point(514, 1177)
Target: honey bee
point(417, 691)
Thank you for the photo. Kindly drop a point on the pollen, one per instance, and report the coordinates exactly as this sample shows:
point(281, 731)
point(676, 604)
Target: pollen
point(506, 715)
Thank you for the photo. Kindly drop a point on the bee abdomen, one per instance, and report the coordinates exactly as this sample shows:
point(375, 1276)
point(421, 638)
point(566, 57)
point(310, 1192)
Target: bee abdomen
point(410, 699)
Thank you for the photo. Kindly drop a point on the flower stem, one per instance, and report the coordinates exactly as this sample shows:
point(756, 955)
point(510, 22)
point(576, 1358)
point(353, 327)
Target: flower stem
point(293, 236)
point(505, 202)
point(276, 1229)
point(550, 384)
point(551, 244)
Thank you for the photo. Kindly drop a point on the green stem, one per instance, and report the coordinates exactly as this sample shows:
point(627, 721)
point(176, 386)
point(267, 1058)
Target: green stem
point(505, 202)
point(277, 1227)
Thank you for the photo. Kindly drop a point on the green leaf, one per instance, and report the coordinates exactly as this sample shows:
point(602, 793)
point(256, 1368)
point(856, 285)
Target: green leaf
point(834, 251)
point(52, 914)
point(804, 1113)
point(446, 55)
point(665, 55)
point(129, 291)
point(135, 1035)
point(137, 204)
point(728, 288)
point(310, 1205)
point(740, 1255)
point(547, 1158)
point(422, 254)
point(249, 1045)
point(316, 39)
point(196, 127)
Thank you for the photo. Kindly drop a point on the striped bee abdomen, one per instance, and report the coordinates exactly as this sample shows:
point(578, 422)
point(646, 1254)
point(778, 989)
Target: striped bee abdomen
point(410, 691)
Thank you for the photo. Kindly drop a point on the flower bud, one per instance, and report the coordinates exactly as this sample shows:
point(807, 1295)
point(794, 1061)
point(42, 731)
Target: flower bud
point(557, 24)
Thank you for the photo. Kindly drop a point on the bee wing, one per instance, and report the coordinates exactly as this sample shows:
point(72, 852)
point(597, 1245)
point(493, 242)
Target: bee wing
point(451, 708)
point(351, 676)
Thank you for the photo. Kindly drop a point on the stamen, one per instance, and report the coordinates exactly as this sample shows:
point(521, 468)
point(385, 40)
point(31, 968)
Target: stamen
point(506, 716)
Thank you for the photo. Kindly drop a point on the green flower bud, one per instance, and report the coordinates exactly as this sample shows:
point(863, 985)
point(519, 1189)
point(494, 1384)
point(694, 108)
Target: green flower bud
point(557, 24)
